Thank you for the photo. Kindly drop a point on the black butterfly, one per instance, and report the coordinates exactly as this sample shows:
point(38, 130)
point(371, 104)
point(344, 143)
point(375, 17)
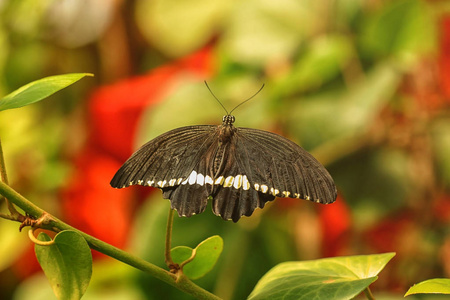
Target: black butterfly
point(239, 169)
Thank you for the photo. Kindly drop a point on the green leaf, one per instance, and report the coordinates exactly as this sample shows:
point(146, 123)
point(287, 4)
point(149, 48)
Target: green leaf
point(180, 254)
point(431, 286)
point(67, 263)
point(206, 255)
point(328, 278)
point(38, 90)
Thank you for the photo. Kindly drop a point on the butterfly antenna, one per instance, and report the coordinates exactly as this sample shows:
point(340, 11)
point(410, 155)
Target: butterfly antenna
point(216, 97)
point(248, 99)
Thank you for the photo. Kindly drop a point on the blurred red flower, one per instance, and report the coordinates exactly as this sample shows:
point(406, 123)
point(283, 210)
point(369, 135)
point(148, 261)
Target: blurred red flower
point(335, 220)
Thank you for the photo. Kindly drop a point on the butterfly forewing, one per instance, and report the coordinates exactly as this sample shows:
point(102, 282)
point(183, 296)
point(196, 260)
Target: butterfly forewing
point(166, 160)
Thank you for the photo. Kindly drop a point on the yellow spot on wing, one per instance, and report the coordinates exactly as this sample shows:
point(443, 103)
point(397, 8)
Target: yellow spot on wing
point(228, 181)
point(219, 180)
point(264, 188)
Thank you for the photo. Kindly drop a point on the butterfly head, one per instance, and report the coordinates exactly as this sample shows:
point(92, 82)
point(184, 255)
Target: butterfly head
point(226, 130)
point(227, 120)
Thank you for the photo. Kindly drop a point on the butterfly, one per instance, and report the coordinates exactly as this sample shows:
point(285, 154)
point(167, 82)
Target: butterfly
point(238, 169)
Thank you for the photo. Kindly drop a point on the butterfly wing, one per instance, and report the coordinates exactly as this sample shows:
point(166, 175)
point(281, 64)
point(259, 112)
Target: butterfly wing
point(234, 195)
point(273, 166)
point(286, 168)
point(192, 164)
point(167, 162)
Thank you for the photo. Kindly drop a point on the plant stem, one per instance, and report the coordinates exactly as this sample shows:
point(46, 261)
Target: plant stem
point(4, 178)
point(3, 175)
point(55, 224)
point(369, 294)
point(167, 255)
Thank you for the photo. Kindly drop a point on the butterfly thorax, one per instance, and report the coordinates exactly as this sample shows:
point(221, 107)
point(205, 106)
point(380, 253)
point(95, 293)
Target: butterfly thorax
point(225, 133)
point(226, 130)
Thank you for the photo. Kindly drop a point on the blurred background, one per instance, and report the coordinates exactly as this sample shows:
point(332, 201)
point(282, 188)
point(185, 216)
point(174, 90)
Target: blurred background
point(363, 85)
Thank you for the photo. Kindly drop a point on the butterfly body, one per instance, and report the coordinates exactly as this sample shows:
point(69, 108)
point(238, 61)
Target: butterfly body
point(239, 169)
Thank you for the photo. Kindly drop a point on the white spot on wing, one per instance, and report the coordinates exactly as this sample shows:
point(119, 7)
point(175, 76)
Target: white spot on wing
point(192, 177)
point(209, 180)
point(307, 198)
point(200, 179)
point(237, 181)
point(228, 181)
point(172, 182)
point(245, 183)
point(274, 191)
point(162, 183)
point(256, 186)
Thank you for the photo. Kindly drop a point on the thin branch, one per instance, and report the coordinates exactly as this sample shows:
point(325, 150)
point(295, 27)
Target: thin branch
point(194, 252)
point(168, 257)
point(369, 294)
point(3, 175)
point(4, 178)
point(55, 224)
point(36, 241)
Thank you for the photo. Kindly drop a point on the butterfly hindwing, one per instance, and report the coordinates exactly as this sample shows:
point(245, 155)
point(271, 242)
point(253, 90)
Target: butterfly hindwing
point(236, 197)
point(190, 197)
